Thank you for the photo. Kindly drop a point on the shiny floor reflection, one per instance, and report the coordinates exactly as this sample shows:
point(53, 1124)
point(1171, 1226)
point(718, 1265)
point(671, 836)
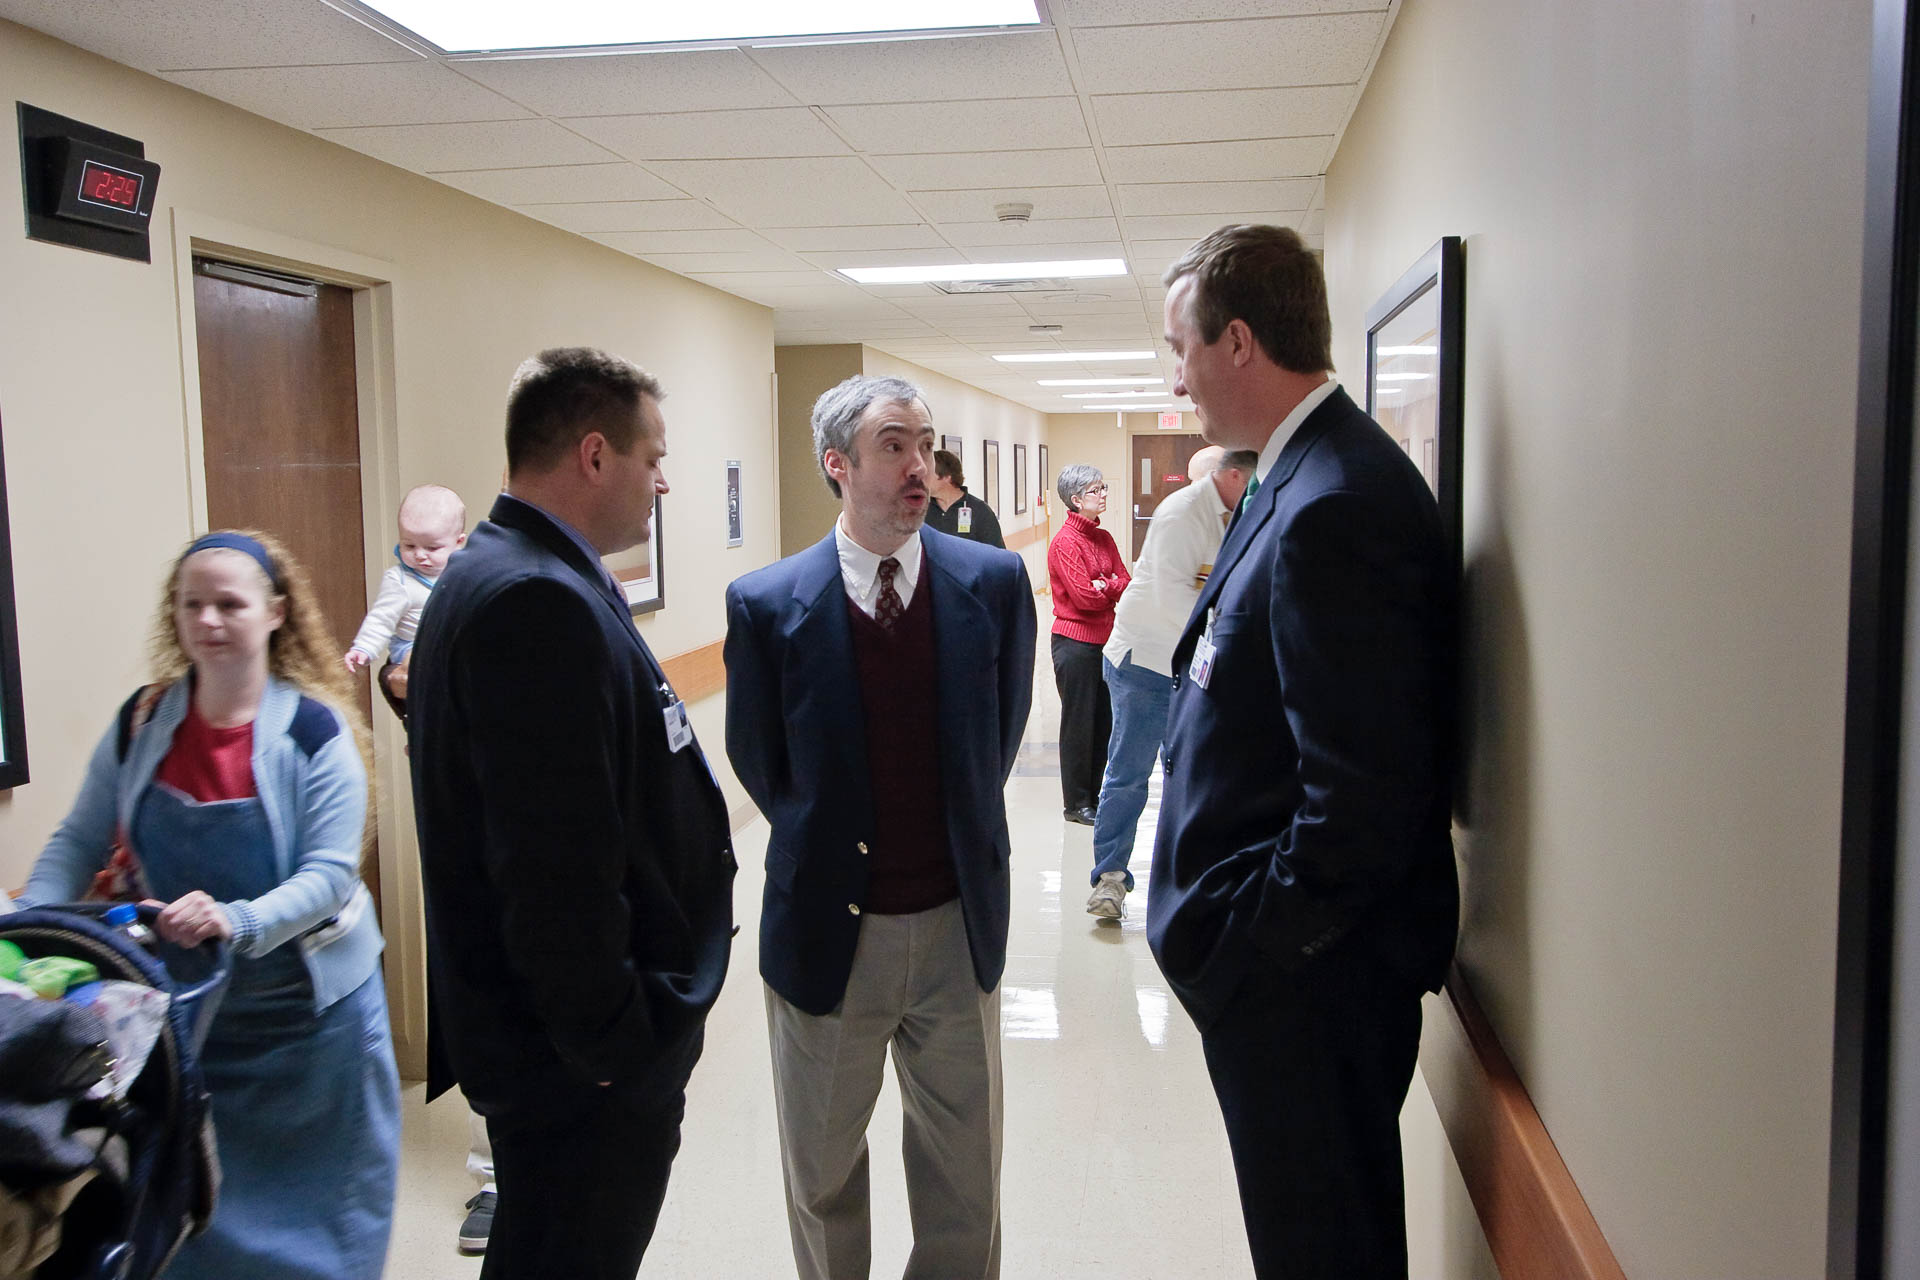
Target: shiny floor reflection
point(1116, 1164)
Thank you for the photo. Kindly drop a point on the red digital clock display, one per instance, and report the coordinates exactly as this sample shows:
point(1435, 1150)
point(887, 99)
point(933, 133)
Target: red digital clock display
point(102, 184)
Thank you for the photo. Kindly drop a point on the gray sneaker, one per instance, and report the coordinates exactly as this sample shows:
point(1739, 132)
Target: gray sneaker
point(479, 1224)
point(1109, 899)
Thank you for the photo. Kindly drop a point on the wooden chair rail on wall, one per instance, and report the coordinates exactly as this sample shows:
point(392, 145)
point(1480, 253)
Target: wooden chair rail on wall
point(697, 673)
point(1537, 1224)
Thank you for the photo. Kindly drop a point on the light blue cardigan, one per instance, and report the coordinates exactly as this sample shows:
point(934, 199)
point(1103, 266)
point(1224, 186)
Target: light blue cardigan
point(313, 789)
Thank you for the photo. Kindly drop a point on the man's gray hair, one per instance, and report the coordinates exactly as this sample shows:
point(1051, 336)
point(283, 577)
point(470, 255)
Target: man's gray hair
point(837, 414)
point(1075, 479)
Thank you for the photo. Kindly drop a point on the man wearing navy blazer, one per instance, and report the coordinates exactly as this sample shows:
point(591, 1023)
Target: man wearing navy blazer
point(877, 687)
point(573, 844)
point(1304, 893)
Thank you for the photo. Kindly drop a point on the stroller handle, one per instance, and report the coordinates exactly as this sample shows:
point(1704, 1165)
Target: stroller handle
point(219, 968)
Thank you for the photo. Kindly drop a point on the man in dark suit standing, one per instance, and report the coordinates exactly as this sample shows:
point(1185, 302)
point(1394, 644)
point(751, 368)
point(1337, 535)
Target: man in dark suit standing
point(885, 918)
point(574, 845)
point(1303, 891)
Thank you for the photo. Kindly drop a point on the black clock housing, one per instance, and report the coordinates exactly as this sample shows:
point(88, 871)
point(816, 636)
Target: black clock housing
point(85, 186)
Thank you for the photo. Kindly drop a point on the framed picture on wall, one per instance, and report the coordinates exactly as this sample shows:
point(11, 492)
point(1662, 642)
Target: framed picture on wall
point(990, 474)
point(1019, 479)
point(1044, 489)
point(1415, 371)
point(642, 570)
point(954, 445)
point(13, 715)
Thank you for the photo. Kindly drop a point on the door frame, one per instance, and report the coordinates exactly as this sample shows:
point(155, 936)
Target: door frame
point(374, 282)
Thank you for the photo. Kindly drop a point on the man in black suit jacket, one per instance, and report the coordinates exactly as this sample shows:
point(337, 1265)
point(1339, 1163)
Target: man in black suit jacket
point(885, 918)
point(1303, 889)
point(574, 846)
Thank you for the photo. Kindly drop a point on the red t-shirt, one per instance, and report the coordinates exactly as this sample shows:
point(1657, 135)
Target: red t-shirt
point(207, 763)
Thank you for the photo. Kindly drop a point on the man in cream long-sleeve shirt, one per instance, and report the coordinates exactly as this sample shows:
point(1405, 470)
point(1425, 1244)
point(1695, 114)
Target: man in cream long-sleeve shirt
point(1186, 531)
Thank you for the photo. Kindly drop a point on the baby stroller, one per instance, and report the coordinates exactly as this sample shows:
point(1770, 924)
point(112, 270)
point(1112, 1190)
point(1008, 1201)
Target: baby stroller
point(155, 1173)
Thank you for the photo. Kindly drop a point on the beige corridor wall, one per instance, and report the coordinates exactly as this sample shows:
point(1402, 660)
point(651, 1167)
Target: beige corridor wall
point(807, 507)
point(91, 396)
point(1662, 207)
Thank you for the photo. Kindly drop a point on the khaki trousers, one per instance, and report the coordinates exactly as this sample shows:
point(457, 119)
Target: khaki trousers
point(912, 988)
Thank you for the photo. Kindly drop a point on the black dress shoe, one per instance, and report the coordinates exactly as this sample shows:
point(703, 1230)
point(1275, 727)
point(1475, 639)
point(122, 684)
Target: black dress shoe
point(1082, 816)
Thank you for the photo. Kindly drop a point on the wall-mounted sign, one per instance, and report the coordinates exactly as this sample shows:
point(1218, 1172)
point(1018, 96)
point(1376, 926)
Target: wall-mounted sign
point(736, 534)
point(1170, 420)
point(85, 187)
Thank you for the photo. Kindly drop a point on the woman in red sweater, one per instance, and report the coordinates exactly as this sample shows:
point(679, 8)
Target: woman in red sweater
point(1086, 576)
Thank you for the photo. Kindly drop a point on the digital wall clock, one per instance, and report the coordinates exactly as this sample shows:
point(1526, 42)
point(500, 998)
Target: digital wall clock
point(84, 186)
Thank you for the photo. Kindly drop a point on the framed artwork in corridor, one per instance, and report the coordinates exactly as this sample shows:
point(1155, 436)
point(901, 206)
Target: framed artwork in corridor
point(642, 570)
point(1019, 479)
point(990, 474)
point(1415, 371)
point(1045, 485)
point(13, 716)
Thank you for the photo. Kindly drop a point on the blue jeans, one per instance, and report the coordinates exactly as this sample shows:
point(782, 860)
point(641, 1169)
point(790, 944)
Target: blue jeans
point(1140, 699)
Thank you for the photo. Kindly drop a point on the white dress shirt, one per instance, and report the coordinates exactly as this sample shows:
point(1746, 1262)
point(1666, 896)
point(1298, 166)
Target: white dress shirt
point(1291, 423)
point(1182, 539)
point(860, 569)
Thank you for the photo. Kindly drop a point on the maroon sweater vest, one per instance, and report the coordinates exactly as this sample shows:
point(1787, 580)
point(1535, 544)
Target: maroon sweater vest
point(909, 866)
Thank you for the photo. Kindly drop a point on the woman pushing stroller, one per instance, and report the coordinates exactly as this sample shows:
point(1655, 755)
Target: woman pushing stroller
point(235, 790)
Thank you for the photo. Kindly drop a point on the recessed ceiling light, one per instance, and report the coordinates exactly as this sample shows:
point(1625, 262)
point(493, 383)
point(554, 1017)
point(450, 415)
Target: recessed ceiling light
point(1125, 408)
point(1098, 382)
point(1068, 357)
point(1077, 269)
point(463, 26)
point(1107, 395)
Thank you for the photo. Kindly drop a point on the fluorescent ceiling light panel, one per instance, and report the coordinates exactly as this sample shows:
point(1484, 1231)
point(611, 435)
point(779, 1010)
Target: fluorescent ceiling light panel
point(1099, 382)
point(1125, 408)
point(473, 26)
point(1079, 269)
point(1071, 357)
point(1107, 395)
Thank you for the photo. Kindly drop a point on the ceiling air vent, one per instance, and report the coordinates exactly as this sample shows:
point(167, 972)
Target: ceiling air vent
point(1014, 211)
point(1039, 284)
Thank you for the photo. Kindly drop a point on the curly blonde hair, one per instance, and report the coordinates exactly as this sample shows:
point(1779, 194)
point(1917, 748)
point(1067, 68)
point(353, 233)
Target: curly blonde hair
point(300, 651)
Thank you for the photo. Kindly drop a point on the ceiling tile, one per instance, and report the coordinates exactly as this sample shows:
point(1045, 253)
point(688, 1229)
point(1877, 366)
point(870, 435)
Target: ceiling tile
point(1113, 13)
point(1036, 235)
point(839, 239)
point(1011, 65)
point(165, 35)
point(561, 183)
point(506, 143)
point(768, 259)
point(963, 170)
point(703, 135)
point(371, 93)
point(627, 84)
point(1215, 197)
point(1071, 251)
point(1014, 124)
point(824, 191)
point(1142, 119)
point(1048, 202)
point(787, 281)
point(630, 215)
point(1315, 223)
point(1270, 52)
point(834, 259)
point(1192, 226)
point(719, 240)
point(1221, 161)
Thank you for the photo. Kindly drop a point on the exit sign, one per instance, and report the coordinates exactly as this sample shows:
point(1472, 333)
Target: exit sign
point(1170, 420)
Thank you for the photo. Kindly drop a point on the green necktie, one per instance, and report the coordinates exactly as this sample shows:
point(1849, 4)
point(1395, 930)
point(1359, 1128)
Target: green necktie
point(1253, 487)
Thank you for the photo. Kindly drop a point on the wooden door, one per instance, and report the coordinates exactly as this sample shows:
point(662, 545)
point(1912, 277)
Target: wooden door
point(280, 415)
point(1159, 467)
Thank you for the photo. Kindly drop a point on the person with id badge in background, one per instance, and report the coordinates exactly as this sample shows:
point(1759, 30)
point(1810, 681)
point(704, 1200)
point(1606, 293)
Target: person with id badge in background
point(573, 842)
point(954, 510)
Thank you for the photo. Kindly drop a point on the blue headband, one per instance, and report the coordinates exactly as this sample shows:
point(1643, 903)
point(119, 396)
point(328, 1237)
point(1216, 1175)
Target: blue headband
point(244, 545)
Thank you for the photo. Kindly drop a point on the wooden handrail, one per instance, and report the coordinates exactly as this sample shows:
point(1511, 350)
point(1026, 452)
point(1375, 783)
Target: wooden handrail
point(1537, 1224)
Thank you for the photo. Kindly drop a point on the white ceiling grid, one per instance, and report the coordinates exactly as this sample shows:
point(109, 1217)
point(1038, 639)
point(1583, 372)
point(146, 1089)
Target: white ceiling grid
point(1133, 127)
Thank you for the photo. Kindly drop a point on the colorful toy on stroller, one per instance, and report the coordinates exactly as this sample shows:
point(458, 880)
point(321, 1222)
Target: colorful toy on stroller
point(106, 1147)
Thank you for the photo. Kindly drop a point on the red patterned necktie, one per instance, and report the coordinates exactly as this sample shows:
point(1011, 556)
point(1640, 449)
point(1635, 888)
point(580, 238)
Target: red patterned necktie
point(887, 607)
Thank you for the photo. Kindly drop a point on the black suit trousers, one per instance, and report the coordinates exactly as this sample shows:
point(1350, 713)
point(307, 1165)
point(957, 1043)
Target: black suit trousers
point(1086, 720)
point(1311, 1070)
point(581, 1178)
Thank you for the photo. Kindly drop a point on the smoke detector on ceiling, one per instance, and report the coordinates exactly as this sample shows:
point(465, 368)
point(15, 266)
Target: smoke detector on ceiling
point(1013, 211)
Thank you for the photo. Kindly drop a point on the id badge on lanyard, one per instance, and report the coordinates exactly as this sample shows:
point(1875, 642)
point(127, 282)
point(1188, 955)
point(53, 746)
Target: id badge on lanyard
point(674, 712)
point(966, 520)
point(1200, 670)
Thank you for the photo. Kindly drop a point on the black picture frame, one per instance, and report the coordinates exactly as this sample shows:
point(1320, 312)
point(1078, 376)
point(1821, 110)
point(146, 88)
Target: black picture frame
point(13, 709)
point(990, 474)
point(954, 445)
point(1043, 490)
point(1019, 479)
point(1434, 286)
point(642, 570)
